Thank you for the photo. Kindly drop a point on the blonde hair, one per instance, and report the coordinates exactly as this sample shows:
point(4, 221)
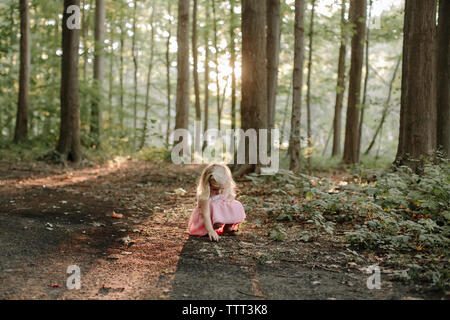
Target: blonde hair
point(219, 175)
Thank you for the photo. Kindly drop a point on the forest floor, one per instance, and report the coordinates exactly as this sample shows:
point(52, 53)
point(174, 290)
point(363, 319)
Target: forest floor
point(52, 217)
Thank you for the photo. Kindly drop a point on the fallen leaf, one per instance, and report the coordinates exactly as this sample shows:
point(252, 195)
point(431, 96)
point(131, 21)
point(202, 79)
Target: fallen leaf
point(117, 215)
point(180, 191)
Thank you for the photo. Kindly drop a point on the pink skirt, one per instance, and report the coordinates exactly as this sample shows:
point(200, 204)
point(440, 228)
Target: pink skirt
point(222, 212)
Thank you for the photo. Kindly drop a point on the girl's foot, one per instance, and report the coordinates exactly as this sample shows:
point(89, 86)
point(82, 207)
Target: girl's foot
point(230, 230)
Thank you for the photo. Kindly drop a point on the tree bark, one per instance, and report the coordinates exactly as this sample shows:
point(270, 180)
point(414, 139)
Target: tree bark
point(340, 88)
point(418, 121)
point(443, 75)
point(216, 62)
point(273, 50)
point(366, 81)
point(198, 112)
point(254, 74)
point(233, 64)
point(182, 103)
point(135, 63)
point(69, 144)
point(121, 70)
point(84, 36)
point(357, 19)
point(206, 110)
point(149, 76)
point(295, 139)
point(99, 68)
point(168, 81)
point(308, 93)
point(21, 130)
point(111, 68)
point(285, 113)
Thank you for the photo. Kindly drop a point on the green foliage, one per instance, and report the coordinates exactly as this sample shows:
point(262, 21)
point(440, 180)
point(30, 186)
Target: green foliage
point(409, 212)
point(277, 233)
point(152, 153)
point(396, 212)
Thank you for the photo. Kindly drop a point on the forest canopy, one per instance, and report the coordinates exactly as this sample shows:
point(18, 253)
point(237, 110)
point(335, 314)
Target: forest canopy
point(137, 43)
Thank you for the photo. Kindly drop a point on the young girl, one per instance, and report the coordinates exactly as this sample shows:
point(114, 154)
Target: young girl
point(217, 211)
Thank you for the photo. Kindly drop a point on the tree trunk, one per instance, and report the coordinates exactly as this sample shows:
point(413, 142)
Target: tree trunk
point(254, 74)
point(418, 121)
point(99, 68)
point(149, 76)
point(169, 86)
point(366, 80)
point(21, 131)
point(386, 107)
point(182, 103)
point(340, 88)
point(69, 137)
point(84, 36)
point(233, 64)
point(443, 75)
point(135, 62)
point(121, 70)
point(285, 113)
point(358, 20)
point(273, 50)
point(206, 110)
point(216, 62)
point(111, 70)
point(308, 93)
point(198, 112)
point(295, 138)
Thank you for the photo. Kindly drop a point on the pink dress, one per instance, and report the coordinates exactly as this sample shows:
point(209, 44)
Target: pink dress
point(222, 212)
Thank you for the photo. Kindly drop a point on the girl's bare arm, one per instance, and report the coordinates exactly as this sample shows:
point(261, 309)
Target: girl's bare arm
point(204, 206)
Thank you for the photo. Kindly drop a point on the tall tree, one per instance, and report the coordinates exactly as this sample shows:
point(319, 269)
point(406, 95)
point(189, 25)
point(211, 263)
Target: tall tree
point(207, 52)
point(417, 136)
point(233, 63)
point(168, 81)
point(21, 131)
point(85, 35)
point(308, 93)
point(295, 139)
point(99, 68)
point(443, 77)
point(149, 76)
point(182, 103)
point(198, 112)
point(340, 87)
point(254, 74)
point(216, 62)
point(122, 69)
point(111, 66)
point(366, 79)
point(357, 19)
point(69, 145)
point(273, 50)
point(135, 63)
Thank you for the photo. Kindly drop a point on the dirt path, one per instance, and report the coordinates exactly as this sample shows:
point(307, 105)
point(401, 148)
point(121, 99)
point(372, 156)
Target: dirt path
point(51, 218)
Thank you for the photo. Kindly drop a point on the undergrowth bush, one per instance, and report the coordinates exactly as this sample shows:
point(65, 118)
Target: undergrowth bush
point(395, 212)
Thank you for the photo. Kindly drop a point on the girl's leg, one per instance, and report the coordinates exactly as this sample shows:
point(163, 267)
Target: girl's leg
point(231, 228)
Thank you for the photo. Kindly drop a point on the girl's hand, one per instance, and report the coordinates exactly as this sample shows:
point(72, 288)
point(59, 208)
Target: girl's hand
point(213, 236)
